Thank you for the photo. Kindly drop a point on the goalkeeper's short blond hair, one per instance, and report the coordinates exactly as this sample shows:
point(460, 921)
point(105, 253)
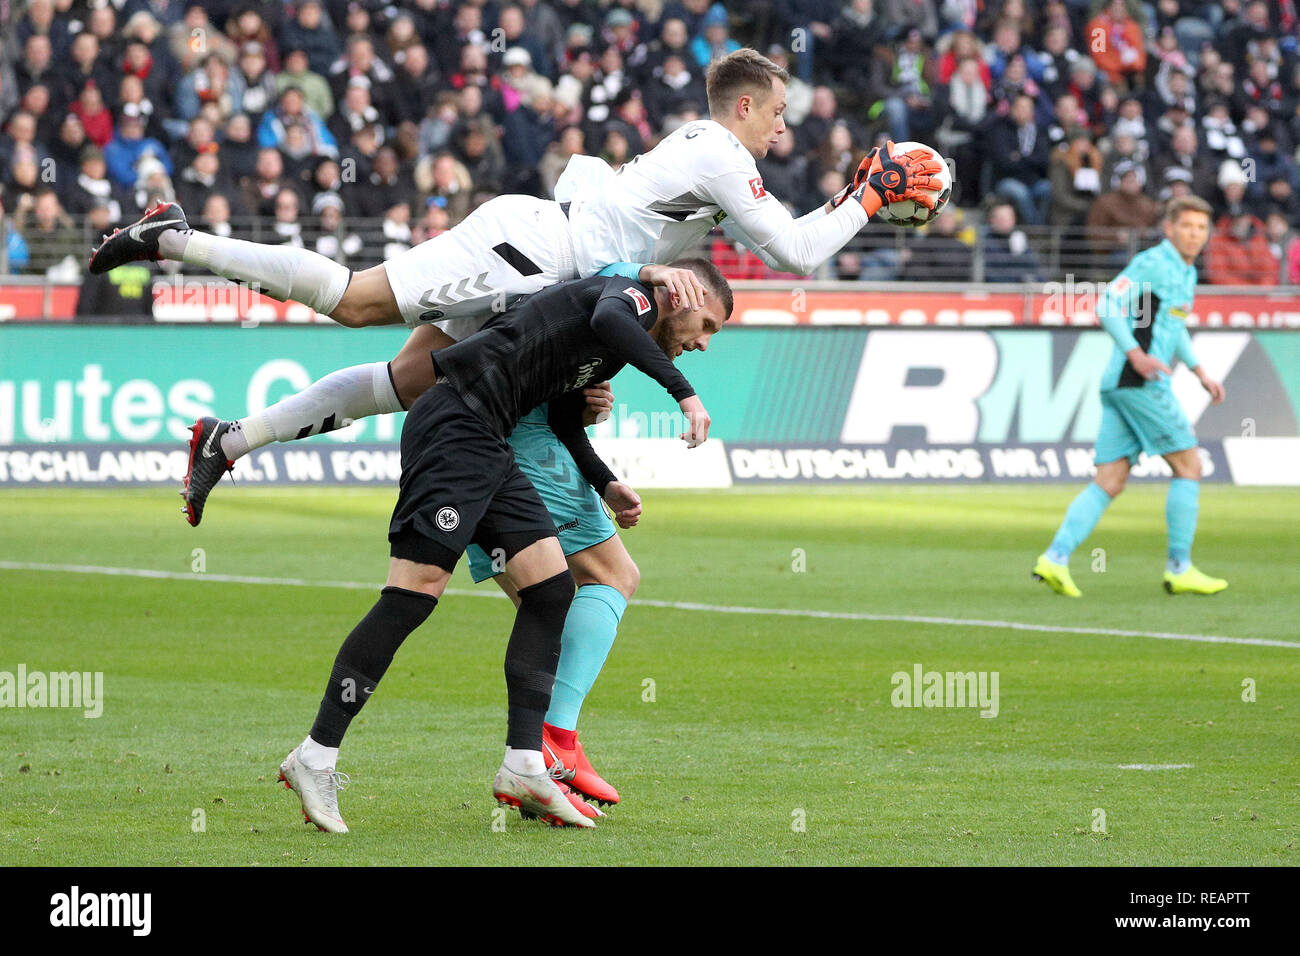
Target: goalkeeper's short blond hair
point(740, 72)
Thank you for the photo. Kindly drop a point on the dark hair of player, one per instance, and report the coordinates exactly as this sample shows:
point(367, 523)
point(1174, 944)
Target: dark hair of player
point(1186, 204)
point(713, 280)
point(743, 72)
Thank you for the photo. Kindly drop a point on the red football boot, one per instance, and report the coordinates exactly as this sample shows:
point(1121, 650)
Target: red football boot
point(578, 772)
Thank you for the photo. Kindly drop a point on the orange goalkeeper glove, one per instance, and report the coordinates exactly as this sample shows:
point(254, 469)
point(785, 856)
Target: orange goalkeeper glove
point(883, 177)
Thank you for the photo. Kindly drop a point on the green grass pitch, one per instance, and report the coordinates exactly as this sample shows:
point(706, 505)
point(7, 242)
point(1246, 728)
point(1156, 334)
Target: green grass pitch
point(770, 739)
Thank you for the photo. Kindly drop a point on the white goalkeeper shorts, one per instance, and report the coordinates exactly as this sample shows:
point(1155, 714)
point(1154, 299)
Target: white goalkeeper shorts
point(509, 247)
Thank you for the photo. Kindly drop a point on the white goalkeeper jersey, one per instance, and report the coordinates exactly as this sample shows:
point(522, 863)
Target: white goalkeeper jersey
point(660, 204)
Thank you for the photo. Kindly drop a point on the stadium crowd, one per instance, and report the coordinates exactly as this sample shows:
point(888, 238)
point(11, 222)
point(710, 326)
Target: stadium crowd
point(360, 127)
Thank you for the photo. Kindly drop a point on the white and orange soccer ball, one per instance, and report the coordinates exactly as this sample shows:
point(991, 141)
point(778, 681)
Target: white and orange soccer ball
point(909, 214)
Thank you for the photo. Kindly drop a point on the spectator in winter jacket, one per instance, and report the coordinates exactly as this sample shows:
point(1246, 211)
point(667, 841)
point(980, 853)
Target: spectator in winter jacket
point(1281, 244)
point(1238, 253)
point(903, 15)
point(56, 244)
point(194, 38)
point(359, 61)
point(855, 34)
point(93, 186)
point(714, 41)
point(1122, 52)
point(88, 66)
point(966, 110)
point(1124, 214)
point(901, 83)
point(1269, 163)
point(297, 72)
point(292, 110)
point(355, 110)
point(311, 31)
point(1075, 174)
point(514, 33)
point(214, 81)
point(15, 247)
point(65, 150)
point(1007, 255)
point(417, 85)
point(128, 146)
point(95, 117)
point(1184, 153)
point(1019, 151)
point(260, 88)
point(937, 254)
point(444, 179)
point(673, 40)
point(673, 86)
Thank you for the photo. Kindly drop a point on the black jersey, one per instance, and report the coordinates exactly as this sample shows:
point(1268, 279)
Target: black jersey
point(551, 346)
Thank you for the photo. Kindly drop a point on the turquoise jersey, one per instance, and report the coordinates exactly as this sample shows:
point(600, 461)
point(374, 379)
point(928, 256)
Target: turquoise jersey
point(1145, 307)
point(538, 416)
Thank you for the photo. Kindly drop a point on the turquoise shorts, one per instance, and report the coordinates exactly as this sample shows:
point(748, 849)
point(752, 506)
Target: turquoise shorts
point(1136, 420)
point(580, 517)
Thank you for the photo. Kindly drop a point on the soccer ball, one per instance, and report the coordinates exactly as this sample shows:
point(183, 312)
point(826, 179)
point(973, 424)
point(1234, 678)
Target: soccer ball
point(909, 214)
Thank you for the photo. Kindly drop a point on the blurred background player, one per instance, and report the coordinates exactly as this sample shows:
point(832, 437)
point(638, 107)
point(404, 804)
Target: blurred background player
point(1144, 311)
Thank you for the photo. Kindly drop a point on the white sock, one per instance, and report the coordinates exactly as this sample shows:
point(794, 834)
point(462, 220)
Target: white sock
point(282, 272)
point(317, 756)
point(335, 401)
point(528, 762)
point(172, 243)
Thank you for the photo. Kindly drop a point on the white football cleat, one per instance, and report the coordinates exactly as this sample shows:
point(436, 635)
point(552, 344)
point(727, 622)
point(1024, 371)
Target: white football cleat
point(537, 795)
point(318, 790)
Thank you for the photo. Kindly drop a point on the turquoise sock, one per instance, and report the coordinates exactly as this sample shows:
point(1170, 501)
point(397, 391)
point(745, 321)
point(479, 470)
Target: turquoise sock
point(1080, 518)
point(1181, 506)
point(589, 633)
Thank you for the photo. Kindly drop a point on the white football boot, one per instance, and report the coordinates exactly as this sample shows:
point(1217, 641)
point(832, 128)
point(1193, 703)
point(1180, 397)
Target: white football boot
point(318, 790)
point(537, 795)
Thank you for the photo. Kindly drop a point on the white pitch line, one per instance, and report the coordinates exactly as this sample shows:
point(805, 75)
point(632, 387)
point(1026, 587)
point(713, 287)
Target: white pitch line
point(672, 605)
point(1155, 766)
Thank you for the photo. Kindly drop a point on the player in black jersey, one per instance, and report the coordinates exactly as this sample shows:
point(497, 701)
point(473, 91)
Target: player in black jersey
point(460, 484)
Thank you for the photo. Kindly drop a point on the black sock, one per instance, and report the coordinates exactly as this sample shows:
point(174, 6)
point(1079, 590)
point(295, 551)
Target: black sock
point(365, 656)
point(532, 656)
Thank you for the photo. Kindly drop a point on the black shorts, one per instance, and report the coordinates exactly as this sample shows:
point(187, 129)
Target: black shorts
point(460, 485)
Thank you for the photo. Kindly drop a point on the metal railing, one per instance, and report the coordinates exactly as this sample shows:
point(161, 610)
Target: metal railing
point(880, 253)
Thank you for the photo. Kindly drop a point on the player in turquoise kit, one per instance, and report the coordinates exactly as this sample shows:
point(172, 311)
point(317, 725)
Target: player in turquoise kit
point(1144, 311)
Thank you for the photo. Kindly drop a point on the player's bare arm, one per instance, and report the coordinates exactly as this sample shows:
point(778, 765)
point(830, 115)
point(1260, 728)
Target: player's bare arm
point(1215, 388)
point(1148, 366)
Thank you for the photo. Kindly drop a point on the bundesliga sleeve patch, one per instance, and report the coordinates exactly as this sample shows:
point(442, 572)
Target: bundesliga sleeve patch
point(756, 186)
point(638, 297)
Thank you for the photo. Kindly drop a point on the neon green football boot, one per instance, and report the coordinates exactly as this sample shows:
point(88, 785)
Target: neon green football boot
point(1193, 581)
point(1057, 577)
